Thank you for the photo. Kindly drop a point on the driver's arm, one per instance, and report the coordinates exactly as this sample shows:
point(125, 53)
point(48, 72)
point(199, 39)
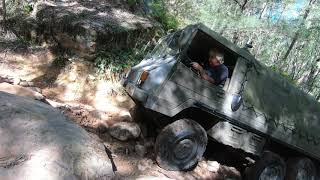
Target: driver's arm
point(206, 77)
point(203, 73)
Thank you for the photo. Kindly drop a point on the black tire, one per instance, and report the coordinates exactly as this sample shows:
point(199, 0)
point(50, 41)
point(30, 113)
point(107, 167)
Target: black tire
point(269, 167)
point(180, 145)
point(301, 169)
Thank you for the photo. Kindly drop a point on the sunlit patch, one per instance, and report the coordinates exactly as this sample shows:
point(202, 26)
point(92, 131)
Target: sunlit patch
point(41, 164)
point(27, 65)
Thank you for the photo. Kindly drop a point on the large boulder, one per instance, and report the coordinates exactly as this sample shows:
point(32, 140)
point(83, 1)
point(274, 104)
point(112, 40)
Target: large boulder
point(83, 26)
point(38, 142)
point(124, 131)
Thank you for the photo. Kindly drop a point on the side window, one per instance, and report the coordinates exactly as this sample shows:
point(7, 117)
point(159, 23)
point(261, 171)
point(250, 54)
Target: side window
point(167, 45)
point(199, 51)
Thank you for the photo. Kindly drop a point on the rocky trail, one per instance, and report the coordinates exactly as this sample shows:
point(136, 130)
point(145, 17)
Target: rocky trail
point(72, 85)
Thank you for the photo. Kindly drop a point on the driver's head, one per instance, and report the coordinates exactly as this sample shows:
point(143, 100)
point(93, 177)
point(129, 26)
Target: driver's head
point(215, 57)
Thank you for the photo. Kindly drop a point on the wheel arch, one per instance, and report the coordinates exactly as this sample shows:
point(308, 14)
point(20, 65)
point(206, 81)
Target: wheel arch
point(204, 118)
point(285, 151)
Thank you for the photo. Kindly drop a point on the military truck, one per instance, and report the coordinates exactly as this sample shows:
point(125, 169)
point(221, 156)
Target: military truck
point(257, 112)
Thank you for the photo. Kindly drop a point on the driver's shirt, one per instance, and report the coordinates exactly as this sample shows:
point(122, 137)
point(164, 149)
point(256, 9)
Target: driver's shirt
point(218, 73)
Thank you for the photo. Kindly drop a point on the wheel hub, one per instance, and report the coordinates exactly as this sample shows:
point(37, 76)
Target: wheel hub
point(303, 175)
point(271, 172)
point(184, 149)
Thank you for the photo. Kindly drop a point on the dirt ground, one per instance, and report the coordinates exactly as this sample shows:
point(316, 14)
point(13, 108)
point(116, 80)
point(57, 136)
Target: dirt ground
point(74, 82)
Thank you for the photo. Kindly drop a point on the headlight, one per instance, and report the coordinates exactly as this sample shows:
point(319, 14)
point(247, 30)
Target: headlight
point(144, 76)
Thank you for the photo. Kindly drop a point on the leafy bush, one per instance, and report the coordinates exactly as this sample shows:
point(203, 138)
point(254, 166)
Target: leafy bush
point(132, 3)
point(117, 61)
point(161, 14)
point(284, 75)
point(28, 8)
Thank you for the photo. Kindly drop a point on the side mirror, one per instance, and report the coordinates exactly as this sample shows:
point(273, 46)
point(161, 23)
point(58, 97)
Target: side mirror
point(236, 102)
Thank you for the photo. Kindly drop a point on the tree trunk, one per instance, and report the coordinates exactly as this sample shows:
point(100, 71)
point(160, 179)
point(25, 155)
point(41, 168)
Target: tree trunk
point(4, 14)
point(296, 35)
point(243, 5)
point(313, 76)
point(293, 42)
point(263, 10)
point(312, 85)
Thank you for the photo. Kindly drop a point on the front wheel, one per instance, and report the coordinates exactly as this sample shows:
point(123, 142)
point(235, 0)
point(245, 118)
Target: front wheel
point(180, 145)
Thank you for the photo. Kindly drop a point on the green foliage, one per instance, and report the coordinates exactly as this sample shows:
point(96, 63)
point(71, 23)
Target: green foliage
point(113, 27)
point(28, 8)
point(285, 75)
point(18, 8)
point(132, 3)
point(117, 60)
point(161, 14)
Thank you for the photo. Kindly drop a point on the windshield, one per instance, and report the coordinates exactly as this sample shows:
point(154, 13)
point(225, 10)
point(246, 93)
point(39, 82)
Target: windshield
point(167, 45)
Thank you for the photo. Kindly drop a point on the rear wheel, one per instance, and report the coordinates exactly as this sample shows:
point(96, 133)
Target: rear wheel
point(180, 145)
point(269, 166)
point(301, 169)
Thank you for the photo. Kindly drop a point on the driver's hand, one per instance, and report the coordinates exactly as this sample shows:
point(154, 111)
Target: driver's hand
point(205, 77)
point(197, 66)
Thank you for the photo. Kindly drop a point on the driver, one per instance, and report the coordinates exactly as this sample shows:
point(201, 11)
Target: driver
point(215, 72)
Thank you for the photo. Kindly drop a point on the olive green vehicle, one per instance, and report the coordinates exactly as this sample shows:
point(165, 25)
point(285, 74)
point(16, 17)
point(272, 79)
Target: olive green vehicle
point(257, 112)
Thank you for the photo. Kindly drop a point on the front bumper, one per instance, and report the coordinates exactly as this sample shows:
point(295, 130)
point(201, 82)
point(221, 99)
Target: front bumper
point(135, 92)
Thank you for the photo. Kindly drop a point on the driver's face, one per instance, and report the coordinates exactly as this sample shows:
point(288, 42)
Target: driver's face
point(213, 61)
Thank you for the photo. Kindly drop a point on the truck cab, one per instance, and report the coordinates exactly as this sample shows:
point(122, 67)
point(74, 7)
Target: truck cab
point(255, 111)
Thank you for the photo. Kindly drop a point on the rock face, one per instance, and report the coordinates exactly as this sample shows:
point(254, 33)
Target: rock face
point(83, 26)
point(21, 91)
point(38, 142)
point(124, 131)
